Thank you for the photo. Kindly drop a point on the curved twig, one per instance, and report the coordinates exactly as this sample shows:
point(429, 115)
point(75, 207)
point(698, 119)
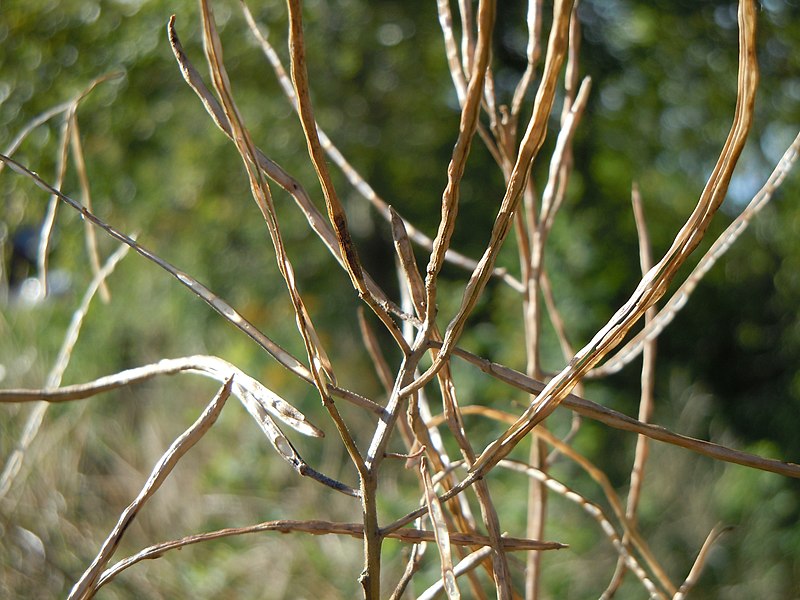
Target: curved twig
point(617, 420)
point(36, 416)
point(87, 584)
point(653, 285)
point(316, 527)
point(209, 297)
point(720, 246)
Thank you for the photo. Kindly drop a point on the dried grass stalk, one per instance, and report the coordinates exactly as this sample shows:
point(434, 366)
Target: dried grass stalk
point(87, 585)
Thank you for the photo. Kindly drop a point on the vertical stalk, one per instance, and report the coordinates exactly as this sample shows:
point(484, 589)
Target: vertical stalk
point(370, 578)
point(537, 507)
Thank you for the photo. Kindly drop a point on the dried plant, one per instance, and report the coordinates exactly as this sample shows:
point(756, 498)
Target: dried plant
point(447, 487)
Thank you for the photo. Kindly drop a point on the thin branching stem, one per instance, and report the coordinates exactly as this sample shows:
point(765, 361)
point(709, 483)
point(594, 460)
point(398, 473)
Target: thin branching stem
point(646, 400)
point(356, 180)
point(653, 286)
point(628, 527)
point(314, 527)
point(533, 52)
point(529, 148)
point(700, 562)
point(64, 107)
point(464, 566)
point(720, 246)
point(83, 178)
point(336, 212)
point(455, 169)
point(87, 584)
point(210, 298)
point(49, 221)
point(261, 402)
point(451, 50)
point(596, 513)
point(419, 349)
point(321, 368)
point(37, 414)
point(617, 420)
point(271, 169)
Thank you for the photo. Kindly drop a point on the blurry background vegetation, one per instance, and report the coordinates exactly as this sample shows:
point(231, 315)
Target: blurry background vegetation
point(662, 99)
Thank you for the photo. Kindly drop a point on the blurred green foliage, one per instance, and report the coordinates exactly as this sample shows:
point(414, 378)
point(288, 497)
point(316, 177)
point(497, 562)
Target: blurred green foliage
point(663, 88)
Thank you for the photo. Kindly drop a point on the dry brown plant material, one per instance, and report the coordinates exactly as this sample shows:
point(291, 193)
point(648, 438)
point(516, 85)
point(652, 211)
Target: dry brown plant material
point(471, 549)
point(87, 585)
